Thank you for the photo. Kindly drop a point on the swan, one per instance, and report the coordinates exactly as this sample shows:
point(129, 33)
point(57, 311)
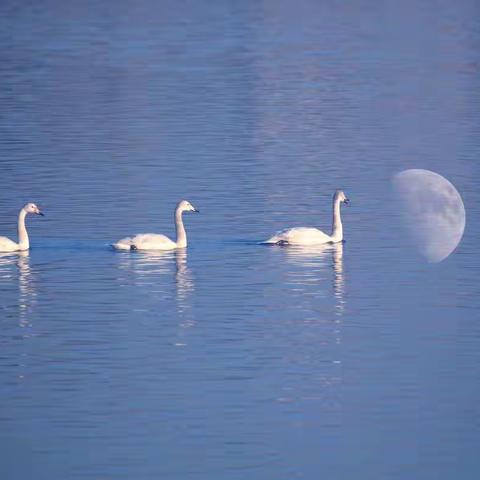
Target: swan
point(7, 245)
point(153, 241)
point(313, 236)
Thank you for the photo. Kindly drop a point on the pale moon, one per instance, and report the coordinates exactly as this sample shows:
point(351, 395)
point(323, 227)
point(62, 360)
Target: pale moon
point(433, 212)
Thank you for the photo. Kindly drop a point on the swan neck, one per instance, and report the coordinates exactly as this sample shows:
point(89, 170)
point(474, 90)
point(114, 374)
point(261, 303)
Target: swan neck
point(23, 240)
point(181, 234)
point(337, 228)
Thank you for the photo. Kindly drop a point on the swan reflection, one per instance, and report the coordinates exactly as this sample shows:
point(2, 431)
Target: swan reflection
point(144, 267)
point(185, 287)
point(314, 296)
point(338, 278)
point(26, 287)
point(314, 260)
point(148, 268)
point(184, 279)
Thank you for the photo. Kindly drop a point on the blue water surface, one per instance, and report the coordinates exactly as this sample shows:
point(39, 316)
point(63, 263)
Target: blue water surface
point(234, 360)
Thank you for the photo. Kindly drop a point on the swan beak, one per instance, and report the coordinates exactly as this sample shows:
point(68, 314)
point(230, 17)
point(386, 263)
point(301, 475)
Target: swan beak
point(40, 213)
point(346, 201)
point(195, 210)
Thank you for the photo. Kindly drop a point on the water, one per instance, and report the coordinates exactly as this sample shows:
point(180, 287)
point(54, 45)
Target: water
point(235, 360)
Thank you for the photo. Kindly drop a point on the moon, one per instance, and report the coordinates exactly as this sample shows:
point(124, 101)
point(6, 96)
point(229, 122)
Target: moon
point(433, 212)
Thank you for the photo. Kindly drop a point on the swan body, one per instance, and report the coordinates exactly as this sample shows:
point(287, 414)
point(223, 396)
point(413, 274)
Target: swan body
point(146, 241)
point(314, 236)
point(300, 236)
point(154, 241)
point(7, 245)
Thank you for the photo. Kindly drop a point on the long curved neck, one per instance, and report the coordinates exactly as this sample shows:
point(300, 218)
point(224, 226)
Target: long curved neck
point(337, 229)
point(181, 234)
point(23, 241)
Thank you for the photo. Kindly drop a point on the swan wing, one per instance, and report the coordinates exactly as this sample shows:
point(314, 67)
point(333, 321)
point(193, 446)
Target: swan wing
point(152, 241)
point(7, 245)
point(145, 241)
point(300, 236)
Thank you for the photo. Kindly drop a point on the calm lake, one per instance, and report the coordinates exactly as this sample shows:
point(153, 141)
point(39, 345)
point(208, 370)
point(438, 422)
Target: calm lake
point(233, 360)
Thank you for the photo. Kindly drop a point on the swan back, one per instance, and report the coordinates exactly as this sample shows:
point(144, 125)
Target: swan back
point(300, 236)
point(7, 245)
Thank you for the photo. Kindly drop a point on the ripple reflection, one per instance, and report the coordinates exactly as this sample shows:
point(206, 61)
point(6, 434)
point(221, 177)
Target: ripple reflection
point(144, 268)
point(158, 272)
point(26, 287)
point(184, 280)
point(314, 259)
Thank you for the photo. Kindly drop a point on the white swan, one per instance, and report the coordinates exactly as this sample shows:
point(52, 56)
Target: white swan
point(7, 245)
point(314, 236)
point(153, 241)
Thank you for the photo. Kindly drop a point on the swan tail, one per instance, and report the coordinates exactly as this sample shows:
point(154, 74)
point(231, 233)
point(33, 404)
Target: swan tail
point(124, 244)
point(278, 242)
point(275, 240)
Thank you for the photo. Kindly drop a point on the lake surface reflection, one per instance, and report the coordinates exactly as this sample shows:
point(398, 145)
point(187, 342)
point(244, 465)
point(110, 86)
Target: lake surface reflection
point(231, 359)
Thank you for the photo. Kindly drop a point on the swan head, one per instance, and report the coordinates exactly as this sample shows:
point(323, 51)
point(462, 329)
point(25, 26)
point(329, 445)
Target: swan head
point(185, 206)
point(32, 208)
point(340, 196)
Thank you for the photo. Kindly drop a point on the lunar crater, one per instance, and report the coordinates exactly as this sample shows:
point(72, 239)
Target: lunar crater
point(432, 211)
